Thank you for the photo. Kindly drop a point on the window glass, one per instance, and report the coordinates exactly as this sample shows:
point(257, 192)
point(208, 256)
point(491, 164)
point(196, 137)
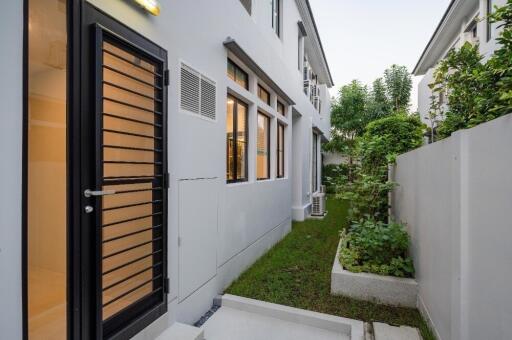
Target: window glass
point(230, 139)
point(238, 75)
point(236, 140)
point(46, 170)
point(263, 147)
point(264, 95)
point(280, 150)
point(281, 108)
point(276, 16)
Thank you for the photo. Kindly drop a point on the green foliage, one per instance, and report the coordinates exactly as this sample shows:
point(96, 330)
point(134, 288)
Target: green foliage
point(477, 92)
point(383, 140)
point(367, 195)
point(388, 137)
point(375, 247)
point(398, 84)
point(499, 65)
point(378, 103)
point(348, 116)
point(331, 175)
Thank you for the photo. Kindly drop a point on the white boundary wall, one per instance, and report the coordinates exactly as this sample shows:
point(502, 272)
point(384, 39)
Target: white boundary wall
point(456, 198)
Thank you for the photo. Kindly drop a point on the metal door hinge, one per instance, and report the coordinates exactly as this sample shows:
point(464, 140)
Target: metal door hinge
point(166, 286)
point(166, 78)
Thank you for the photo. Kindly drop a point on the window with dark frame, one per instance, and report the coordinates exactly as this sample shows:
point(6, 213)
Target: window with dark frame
point(276, 16)
point(238, 75)
point(263, 94)
point(263, 147)
point(236, 140)
point(280, 150)
point(489, 10)
point(281, 108)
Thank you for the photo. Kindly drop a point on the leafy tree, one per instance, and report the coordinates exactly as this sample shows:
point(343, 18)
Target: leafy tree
point(499, 66)
point(378, 103)
point(461, 74)
point(349, 111)
point(348, 119)
point(398, 85)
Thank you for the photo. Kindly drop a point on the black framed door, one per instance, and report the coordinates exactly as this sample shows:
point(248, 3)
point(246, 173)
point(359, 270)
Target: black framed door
point(124, 179)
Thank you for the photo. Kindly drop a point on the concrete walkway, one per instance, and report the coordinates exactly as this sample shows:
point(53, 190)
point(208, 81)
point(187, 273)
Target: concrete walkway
point(248, 319)
point(240, 318)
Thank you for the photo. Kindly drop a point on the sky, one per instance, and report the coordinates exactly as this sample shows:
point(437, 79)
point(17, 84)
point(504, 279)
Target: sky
point(362, 38)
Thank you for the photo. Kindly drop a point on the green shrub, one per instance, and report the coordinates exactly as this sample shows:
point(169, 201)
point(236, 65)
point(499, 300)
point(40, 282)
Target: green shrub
point(367, 195)
point(376, 247)
point(386, 138)
point(382, 141)
point(333, 175)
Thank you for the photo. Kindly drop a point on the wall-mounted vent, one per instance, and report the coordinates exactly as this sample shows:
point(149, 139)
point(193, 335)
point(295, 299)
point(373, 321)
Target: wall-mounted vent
point(208, 94)
point(198, 93)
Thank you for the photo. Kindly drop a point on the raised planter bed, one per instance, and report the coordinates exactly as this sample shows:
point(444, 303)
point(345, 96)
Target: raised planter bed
point(388, 290)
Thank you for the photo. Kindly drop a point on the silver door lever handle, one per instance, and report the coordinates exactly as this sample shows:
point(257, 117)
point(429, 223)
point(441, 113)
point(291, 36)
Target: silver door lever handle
point(90, 193)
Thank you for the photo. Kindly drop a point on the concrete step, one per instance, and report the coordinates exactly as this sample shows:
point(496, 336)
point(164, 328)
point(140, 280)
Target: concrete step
point(180, 331)
point(382, 331)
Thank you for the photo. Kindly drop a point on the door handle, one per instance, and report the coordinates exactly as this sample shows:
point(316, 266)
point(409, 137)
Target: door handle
point(90, 193)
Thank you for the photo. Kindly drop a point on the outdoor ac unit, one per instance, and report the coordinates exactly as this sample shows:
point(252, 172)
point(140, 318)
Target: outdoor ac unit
point(318, 208)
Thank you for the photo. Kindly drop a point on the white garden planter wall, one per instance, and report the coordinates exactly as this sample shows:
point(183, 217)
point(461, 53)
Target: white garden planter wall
point(371, 287)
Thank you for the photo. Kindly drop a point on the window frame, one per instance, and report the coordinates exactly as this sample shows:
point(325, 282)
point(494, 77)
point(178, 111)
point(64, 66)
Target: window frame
point(262, 89)
point(276, 17)
point(237, 68)
point(279, 103)
point(244, 178)
point(489, 10)
point(280, 150)
point(268, 120)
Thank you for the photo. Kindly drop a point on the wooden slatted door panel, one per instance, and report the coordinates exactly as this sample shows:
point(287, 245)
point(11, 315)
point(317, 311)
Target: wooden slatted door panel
point(131, 163)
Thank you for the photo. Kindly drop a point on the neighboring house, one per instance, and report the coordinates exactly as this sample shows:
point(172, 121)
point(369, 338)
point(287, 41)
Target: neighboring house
point(148, 160)
point(464, 21)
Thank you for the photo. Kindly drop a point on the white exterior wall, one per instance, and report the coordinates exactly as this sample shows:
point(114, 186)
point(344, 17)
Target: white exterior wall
point(486, 48)
point(11, 66)
point(455, 197)
point(222, 228)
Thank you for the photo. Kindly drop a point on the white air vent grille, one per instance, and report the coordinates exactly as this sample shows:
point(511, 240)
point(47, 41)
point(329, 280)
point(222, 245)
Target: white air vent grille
point(190, 85)
point(198, 93)
point(208, 94)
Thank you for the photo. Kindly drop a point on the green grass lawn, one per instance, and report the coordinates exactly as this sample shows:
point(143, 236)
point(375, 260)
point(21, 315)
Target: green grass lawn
point(297, 272)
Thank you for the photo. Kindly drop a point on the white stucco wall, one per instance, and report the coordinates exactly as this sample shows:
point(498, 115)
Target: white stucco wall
point(11, 61)
point(455, 197)
point(242, 220)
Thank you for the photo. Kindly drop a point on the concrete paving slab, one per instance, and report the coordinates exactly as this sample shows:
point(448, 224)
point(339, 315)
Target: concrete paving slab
point(249, 319)
point(384, 331)
point(233, 324)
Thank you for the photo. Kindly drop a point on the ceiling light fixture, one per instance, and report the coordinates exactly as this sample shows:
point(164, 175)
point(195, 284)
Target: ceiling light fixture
point(152, 6)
